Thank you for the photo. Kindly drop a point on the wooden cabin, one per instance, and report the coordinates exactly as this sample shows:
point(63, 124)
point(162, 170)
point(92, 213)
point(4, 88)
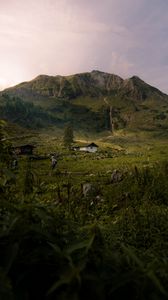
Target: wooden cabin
point(89, 148)
point(24, 149)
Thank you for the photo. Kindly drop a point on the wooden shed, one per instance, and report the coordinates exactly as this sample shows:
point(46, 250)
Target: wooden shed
point(89, 148)
point(24, 149)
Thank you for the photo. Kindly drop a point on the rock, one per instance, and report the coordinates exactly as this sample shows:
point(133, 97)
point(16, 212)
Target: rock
point(87, 189)
point(116, 176)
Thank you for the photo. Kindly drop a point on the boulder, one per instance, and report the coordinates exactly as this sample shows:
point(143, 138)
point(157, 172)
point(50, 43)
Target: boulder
point(87, 189)
point(116, 176)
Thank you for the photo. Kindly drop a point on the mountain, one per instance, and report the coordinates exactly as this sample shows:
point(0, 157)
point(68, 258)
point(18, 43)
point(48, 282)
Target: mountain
point(92, 84)
point(95, 101)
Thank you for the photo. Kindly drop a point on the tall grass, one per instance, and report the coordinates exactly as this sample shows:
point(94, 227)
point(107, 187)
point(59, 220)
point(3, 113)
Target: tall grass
point(57, 244)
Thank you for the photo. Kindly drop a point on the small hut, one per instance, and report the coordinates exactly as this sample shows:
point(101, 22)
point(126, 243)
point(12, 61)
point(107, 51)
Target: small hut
point(89, 148)
point(24, 149)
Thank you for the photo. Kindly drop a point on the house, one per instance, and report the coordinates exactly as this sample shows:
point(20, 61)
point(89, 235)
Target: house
point(23, 149)
point(89, 148)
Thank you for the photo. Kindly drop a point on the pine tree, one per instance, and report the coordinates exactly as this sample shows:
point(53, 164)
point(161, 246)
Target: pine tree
point(5, 146)
point(68, 136)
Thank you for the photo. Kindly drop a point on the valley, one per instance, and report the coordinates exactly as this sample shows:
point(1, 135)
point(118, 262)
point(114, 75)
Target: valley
point(78, 230)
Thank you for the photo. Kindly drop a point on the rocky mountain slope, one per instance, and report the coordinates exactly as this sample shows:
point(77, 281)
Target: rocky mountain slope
point(94, 101)
point(92, 84)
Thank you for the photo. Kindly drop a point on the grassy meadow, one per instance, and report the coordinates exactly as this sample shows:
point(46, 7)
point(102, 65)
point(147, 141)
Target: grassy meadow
point(57, 243)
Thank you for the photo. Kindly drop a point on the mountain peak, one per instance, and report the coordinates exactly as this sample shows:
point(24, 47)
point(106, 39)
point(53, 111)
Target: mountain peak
point(42, 76)
point(136, 77)
point(82, 99)
point(98, 72)
point(94, 84)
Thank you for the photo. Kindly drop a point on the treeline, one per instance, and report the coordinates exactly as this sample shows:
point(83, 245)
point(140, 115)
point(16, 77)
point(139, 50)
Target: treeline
point(86, 118)
point(26, 114)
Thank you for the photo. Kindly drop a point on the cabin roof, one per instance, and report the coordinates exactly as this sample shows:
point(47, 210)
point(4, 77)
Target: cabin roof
point(24, 146)
point(86, 146)
point(92, 145)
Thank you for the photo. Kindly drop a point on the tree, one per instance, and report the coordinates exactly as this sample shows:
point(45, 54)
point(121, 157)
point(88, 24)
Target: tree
point(68, 136)
point(5, 145)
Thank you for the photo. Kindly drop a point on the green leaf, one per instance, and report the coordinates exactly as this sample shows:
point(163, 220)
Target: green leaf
point(7, 231)
point(156, 282)
point(133, 256)
point(11, 255)
point(56, 248)
point(84, 244)
point(57, 284)
point(70, 274)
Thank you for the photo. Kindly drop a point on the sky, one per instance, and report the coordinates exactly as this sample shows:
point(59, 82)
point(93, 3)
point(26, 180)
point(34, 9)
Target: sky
point(63, 37)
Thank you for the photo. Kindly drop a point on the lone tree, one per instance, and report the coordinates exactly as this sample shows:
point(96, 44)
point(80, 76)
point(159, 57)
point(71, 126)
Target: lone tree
point(68, 136)
point(5, 146)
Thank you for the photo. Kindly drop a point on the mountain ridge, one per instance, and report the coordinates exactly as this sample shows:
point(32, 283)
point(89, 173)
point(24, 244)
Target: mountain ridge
point(94, 83)
point(92, 101)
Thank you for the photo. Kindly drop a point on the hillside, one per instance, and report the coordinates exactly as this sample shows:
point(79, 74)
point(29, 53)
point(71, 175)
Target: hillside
point(94, 101)
point(94, 226)
point(92, 84)
point(78, 231)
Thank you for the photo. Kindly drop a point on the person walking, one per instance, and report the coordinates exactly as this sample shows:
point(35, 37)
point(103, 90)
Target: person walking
point(53, 162)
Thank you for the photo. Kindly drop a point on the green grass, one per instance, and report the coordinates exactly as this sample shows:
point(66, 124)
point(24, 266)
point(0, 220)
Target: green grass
point(114, 152)
point(57, 244)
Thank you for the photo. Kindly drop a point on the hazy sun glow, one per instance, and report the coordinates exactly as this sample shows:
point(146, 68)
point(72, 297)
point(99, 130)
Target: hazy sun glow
point(12, 75)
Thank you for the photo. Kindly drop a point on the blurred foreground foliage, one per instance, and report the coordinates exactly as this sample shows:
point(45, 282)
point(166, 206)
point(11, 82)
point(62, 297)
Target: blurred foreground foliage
point(109, 247)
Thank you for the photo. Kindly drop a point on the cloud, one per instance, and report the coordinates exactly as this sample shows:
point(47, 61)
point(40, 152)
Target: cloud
point(70, 36)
